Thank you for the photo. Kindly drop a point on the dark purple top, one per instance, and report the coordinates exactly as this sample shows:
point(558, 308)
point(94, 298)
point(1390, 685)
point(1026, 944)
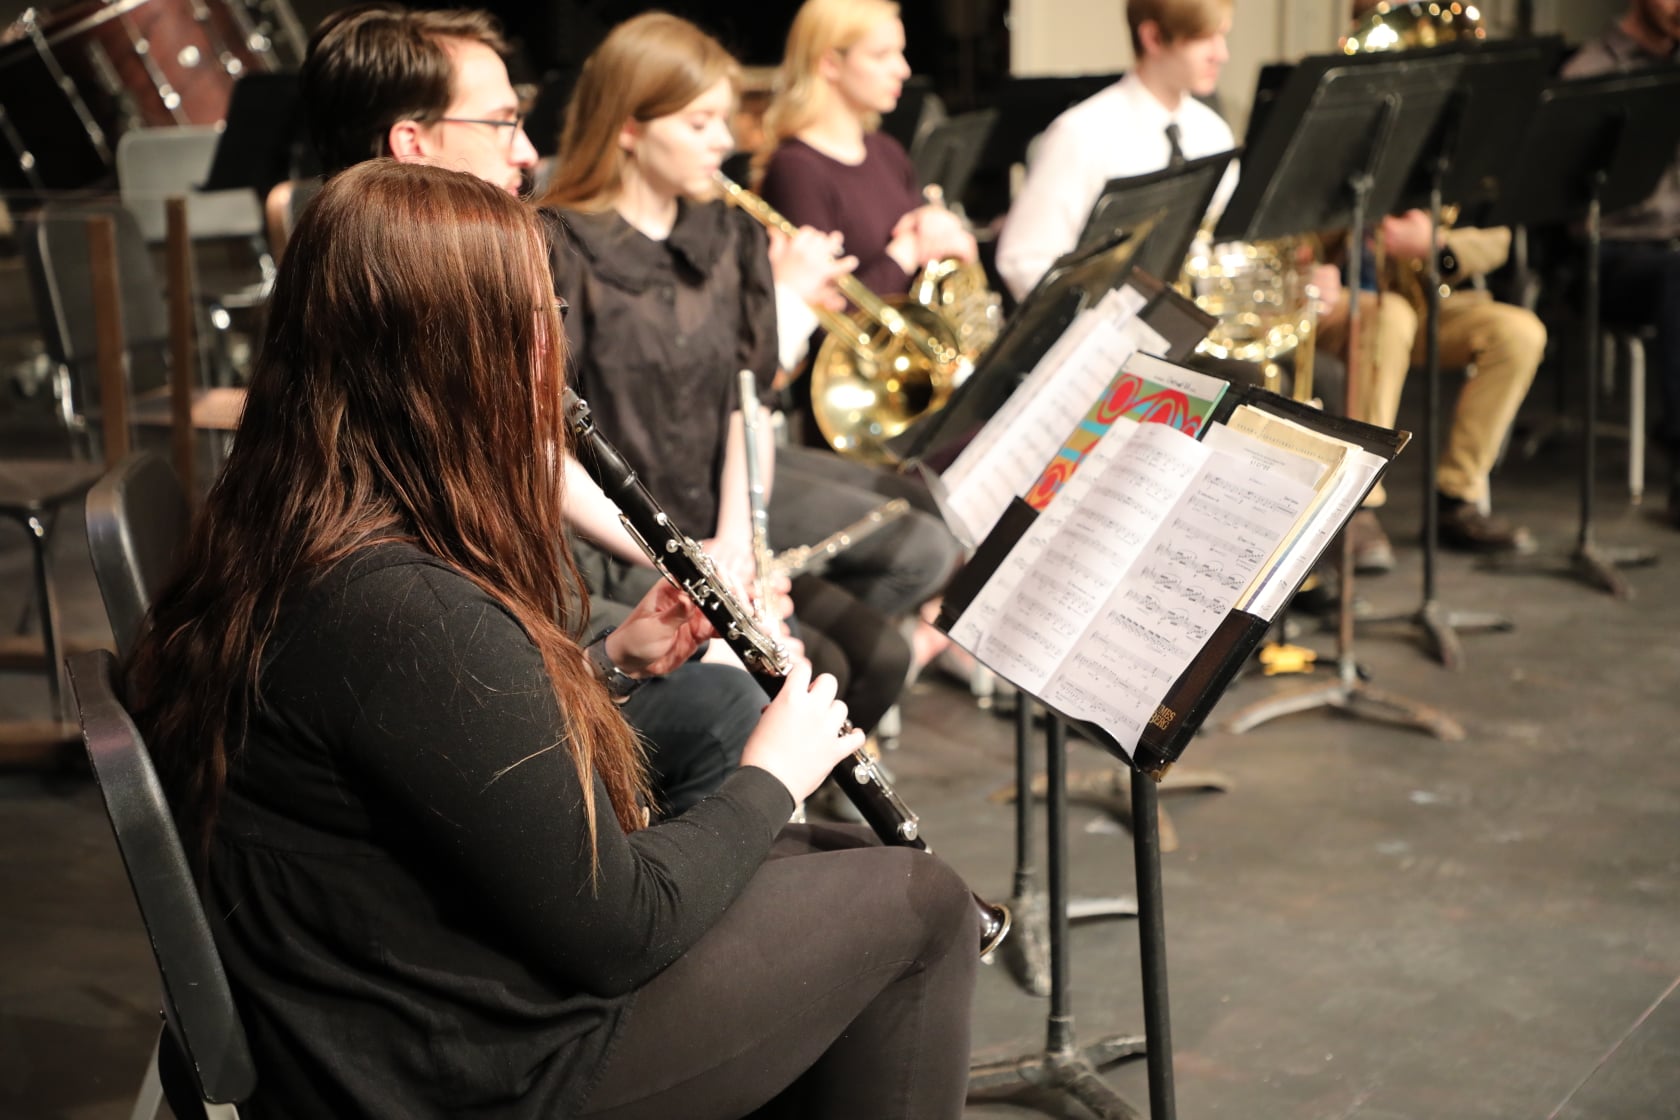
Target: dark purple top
point(863, 201)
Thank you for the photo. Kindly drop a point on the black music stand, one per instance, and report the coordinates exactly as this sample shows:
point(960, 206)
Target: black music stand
point(947, 154)
point(1025, 106)
point(1475, 139)
point(1075, 283)
point(262, 140)
point(1063, 1066)
point(1333, 141)
point(1181, 196)
point(1593, 144)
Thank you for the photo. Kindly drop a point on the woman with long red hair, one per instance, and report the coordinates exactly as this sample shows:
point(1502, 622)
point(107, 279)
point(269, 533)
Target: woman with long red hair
point(420, 821)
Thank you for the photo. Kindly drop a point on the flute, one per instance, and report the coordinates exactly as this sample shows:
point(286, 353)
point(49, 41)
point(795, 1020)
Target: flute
point(680, 559)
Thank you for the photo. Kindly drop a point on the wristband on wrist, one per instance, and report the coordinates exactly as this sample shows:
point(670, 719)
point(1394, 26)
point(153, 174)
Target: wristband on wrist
point(619, 683)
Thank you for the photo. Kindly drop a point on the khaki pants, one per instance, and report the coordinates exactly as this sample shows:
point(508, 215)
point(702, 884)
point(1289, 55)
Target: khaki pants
point(1500, 344)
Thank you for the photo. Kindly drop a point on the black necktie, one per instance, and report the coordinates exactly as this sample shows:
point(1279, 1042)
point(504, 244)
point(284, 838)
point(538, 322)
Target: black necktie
point(1175, 157)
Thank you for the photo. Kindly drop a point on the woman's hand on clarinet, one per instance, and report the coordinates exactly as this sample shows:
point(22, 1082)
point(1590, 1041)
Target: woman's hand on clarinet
point(798, 738)
point(662, 632)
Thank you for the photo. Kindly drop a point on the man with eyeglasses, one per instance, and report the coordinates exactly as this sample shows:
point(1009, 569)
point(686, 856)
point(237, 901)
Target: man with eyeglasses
point(431, 87)
point(423, 87)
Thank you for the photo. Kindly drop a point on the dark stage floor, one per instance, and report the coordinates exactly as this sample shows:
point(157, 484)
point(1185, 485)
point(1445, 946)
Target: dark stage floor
point(1371, 924)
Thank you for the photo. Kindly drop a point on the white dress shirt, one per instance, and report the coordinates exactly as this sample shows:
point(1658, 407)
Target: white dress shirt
point(1114, 134)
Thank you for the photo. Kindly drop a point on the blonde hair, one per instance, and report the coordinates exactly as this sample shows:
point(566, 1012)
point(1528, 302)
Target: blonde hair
point(819, 27)
point(1177, 19)
point(646, 68)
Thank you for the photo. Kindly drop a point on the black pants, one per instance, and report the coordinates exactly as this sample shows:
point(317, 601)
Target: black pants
point(837, 986)
point(896, 569)
point(843, 635)
point(1641, 284)
point(694, 723)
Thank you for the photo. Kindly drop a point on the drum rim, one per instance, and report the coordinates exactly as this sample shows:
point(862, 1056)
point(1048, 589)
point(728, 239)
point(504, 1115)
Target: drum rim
point(107, 11)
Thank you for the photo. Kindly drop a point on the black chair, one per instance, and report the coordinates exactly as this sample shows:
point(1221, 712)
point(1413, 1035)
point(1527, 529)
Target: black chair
point(55, 251)
point(202, 1062)
point(32, 492)
point(137, 517)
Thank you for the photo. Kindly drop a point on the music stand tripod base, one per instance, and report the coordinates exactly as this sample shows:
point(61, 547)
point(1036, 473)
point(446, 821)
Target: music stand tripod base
point(1352, 698)
point(1439, 627)
point(1063, 1067)
point(1590, 562)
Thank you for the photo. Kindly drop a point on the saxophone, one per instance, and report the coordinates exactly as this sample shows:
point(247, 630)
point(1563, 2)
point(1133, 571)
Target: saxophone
point(680, 559)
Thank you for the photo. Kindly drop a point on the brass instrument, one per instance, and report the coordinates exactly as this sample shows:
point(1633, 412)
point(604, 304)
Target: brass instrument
point(957, 290)
point(882, 367)
point(802, 558)
point(1261, 294)
point(1397, 25)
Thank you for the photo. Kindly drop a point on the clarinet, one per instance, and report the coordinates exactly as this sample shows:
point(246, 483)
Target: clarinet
point(680, 559)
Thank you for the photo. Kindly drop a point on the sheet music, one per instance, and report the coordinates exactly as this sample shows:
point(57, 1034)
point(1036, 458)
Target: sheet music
point(1118, 584)
point(1359, 470)
point(1162, 611)
point(1010, 452)
point(1058, 575)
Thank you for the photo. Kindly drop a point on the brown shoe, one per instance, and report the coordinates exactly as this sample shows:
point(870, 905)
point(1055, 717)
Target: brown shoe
point(1465, 528)
point(1372, 553)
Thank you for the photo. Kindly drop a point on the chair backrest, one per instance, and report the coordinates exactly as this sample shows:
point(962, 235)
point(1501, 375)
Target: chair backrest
point(198, 1006)
point(158, 163)
point(137, 517)
point(283, 207)
point(55, 245)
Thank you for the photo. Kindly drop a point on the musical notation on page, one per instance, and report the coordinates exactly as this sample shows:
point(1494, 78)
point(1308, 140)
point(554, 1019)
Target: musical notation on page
point(1113, 590)
point(1010, 451)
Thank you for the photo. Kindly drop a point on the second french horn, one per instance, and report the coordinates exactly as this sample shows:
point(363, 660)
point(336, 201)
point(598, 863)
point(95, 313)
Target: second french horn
point(891, 361)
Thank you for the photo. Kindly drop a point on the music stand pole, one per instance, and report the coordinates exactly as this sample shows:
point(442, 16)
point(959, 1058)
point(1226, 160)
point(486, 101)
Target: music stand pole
point(1349, 694)
point(1590, 561)
point(1063, 1067)
point(1439, 624)
point(1026, 951)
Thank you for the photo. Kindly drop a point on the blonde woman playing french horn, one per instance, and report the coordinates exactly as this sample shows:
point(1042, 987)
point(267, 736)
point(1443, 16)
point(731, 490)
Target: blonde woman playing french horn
point(827, 165)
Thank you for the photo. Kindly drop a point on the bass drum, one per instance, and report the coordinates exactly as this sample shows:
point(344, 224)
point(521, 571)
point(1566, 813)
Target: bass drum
point(74, 79)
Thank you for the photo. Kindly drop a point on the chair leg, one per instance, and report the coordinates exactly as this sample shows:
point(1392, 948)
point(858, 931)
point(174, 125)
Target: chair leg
point(1636, 419)
point(146, 1105)
point(38, 536)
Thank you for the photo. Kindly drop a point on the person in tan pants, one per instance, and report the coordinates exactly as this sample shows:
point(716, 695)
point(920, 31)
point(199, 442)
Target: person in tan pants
point(1498, 344)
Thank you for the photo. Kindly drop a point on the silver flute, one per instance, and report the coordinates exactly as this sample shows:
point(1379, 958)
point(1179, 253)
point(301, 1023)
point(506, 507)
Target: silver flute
point(810, 557)
point(682, 561)
point(753, 444)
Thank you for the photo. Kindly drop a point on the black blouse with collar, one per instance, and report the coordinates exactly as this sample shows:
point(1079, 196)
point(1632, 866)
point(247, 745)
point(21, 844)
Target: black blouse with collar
point(657, 331)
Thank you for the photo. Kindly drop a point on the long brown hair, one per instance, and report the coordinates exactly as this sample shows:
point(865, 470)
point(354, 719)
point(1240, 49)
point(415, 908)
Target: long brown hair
point(407, 388)
point(646, 68)
point(820, 26)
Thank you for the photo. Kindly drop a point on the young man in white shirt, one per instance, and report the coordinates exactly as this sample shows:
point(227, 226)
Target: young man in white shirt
point(1131, 128)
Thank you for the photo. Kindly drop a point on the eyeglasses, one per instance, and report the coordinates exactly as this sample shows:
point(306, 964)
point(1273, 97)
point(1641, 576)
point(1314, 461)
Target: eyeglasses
point(514, 127)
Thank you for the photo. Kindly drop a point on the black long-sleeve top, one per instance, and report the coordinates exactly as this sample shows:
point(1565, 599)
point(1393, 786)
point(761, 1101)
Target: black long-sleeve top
point(657, 332)
point(401, 869)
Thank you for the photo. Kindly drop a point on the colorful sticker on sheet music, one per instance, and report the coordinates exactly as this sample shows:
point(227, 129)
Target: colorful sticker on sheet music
point(1129, 395)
